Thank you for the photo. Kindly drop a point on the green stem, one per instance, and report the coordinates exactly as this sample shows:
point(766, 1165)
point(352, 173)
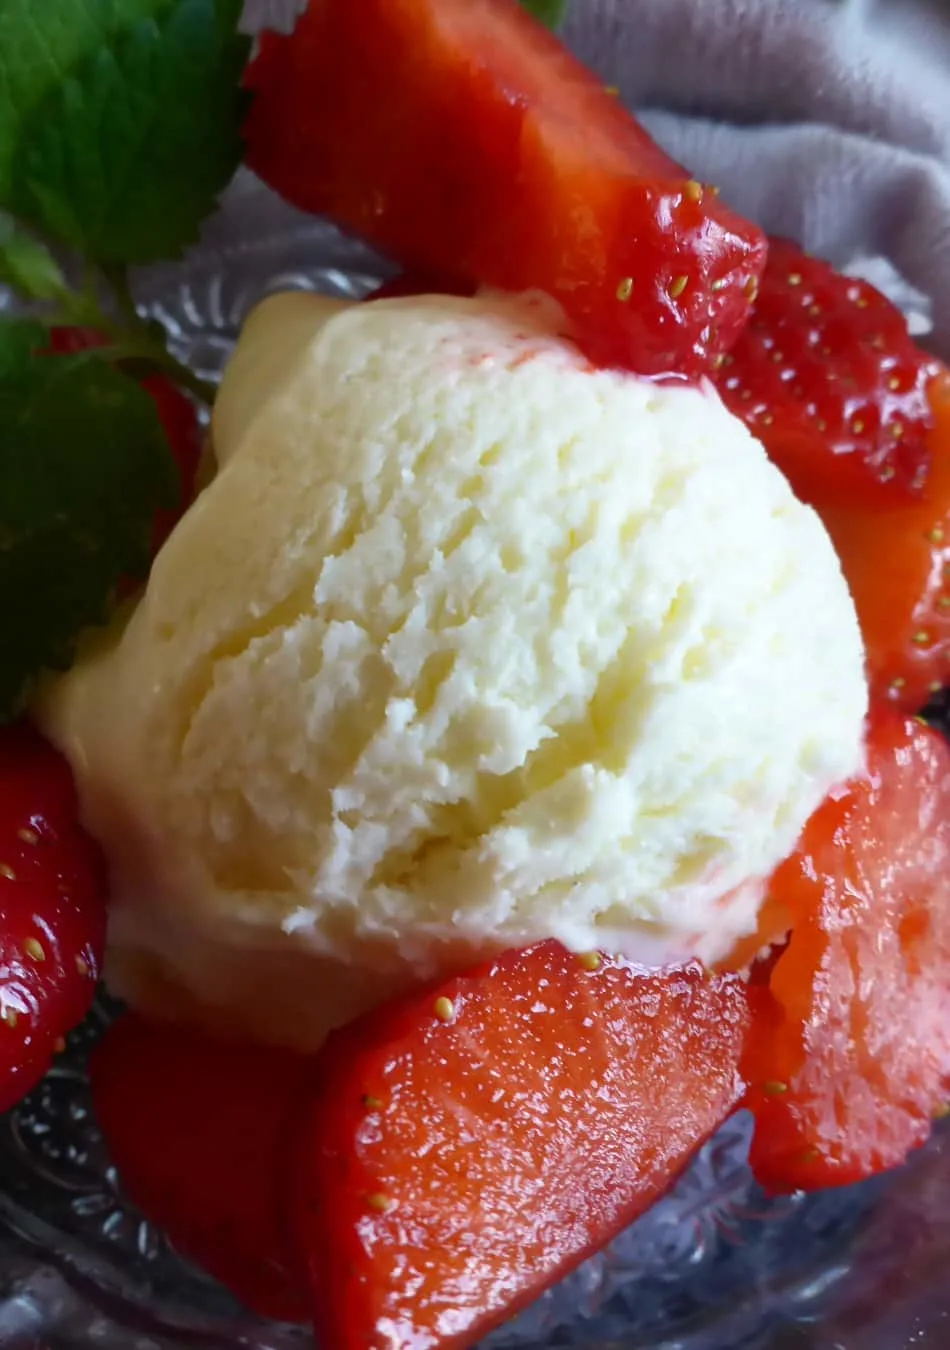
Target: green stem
point(203, 390)
point(117, 278)
point(131, 338)
point(132, 335)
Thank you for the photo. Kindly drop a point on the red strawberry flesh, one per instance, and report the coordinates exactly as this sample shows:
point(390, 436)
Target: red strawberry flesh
point(500, 158)
point(897, 564)
point(195, 1127)
point(828, 378)
point(466, 1147)
point(52, 910)
point(849, 1052)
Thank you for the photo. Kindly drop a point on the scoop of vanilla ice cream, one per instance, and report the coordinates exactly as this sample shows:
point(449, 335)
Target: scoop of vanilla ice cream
point(467, 645)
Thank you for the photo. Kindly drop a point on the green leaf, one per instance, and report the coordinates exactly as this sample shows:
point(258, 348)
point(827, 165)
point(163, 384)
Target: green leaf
point(550, 12)
point(42, 43)
point(27, 266)
point(84, 464)
point(19, 339)
point(125, 153)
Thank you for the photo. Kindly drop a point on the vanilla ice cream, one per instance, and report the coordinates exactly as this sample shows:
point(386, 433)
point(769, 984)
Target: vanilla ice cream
point(466, 645)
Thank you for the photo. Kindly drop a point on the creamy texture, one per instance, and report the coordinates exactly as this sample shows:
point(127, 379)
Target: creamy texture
point(467, 645)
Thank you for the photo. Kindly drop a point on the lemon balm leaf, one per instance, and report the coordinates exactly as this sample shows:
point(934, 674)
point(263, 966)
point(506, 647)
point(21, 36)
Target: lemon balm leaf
point(27, 266)
point(550, 12)
point(83, 468)
point(126, 151)
point(119, 128)
point(42, 44)
point(20, 339)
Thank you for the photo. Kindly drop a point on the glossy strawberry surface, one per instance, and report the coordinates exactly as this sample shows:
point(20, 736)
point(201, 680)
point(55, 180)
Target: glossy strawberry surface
point(52, 910)
point(828, 378)
point(496, 157)
point(466, 1147)
point(848, 1056)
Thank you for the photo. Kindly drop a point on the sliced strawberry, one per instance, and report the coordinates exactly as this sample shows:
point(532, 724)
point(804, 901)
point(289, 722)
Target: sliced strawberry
point(469, 1145)
point(194, 1127)
point(52, 910)
point(829, 380)
point(178, 417)
point(496, 155)
point(849, 1054)
point(897, 563)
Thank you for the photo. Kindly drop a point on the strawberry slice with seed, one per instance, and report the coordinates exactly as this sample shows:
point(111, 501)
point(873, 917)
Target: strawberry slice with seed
point(828, 378)
point(466, 1147)
point(848, 1057)
point(500, 159)
point(52, 910)
point(897, 564)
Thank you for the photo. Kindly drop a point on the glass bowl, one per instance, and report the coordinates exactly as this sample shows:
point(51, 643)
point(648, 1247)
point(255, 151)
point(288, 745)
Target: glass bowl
point(713, 1266)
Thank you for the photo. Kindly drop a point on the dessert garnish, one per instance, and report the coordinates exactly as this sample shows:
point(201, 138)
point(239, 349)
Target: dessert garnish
point(827, 376)
point(119, 127)
point(52, 911)
point(592, 1084)
point(415, 1176)
point(897, 563)
point(503, 160)
point(198, 1129)
point(849, 1045)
